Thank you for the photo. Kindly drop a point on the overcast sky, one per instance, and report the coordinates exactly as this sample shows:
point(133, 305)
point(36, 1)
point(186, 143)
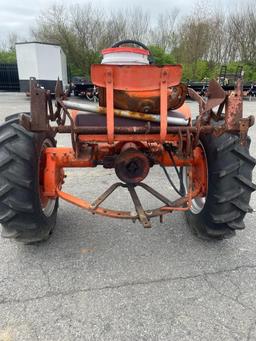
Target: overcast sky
point(19, 15)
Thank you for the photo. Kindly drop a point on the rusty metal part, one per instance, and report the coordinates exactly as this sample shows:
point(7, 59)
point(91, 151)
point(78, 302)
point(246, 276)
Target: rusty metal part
point(66, 157)
point(93, 107)
point(216, 95)
point(234, 107)
point(138, 207)
point(52, 116)
point(38, 108)
point(133, 130)
point(58, 158)
point(59, 92)
point(122, 214)
point(105, 195)
point(145, 102)
point(42, 110)
point(25, 121)
point(245, 124)
point(142, 215)
point(199, 99)
point(156, 194)
point(40, 118)
point(219, 114)
point(132, 166)
point(180, 146)
point(62, 119)
point(108, 145)
point(132, 78)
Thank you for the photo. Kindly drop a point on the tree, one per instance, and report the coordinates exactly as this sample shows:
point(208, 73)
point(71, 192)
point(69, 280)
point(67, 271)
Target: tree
point(8, 57)
point(160, 56)
point(163, 33)
point(7, 50)
point(201, 40)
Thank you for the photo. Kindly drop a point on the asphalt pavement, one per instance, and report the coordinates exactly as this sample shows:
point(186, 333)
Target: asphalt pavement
point(103, 279)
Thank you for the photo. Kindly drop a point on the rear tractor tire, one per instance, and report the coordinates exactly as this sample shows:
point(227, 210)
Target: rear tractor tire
point(25, 214)
point(230, 167)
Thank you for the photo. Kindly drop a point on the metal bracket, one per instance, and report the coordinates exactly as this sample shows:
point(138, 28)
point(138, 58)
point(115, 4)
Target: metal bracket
point(139, 209)
point(244, 125)
point(39, 112)
point(110, 105)
point(163, 105)
point(142, 215)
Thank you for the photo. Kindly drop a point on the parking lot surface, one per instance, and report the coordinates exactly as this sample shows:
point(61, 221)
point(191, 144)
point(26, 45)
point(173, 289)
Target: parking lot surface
point(103, 279)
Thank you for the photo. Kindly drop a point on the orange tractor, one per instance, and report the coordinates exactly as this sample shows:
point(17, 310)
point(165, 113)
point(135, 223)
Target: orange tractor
point(141, 121)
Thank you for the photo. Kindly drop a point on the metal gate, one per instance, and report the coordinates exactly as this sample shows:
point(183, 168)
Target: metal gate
point(9, 78)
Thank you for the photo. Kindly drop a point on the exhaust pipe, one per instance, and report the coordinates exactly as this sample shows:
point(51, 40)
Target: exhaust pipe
point(94, 107)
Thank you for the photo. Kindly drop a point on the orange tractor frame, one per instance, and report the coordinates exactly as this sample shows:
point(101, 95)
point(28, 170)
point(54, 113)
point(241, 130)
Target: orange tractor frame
point(132, 149)
point(111, 143)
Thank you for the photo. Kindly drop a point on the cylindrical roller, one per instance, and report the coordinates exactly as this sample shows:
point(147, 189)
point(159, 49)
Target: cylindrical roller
point(93, 107)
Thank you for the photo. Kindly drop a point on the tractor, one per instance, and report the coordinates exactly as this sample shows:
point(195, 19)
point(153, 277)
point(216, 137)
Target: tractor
point(141, 121)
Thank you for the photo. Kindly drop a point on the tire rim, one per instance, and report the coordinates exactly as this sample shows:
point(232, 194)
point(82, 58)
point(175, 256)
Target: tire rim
point(47, 204)
point(197, 203)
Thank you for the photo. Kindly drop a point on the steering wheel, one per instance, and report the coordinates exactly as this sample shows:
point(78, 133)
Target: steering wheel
point(135, 42)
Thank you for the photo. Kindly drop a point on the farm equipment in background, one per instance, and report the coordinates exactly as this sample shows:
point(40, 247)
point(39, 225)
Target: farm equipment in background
point(227, 80)
point(141, 122)
point(251, 92)
point(83, 87)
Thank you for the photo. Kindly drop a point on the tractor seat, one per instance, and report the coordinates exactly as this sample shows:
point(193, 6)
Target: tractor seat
point(89, 119)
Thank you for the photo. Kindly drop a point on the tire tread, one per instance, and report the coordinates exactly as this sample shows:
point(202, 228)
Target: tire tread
point(19, 214)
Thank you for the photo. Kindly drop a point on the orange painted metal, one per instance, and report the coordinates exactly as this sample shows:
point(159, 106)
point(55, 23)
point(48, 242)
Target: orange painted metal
point(110, 105)
point(86, 205)
point(132, 78)
point(198, 179)
point(59, 158)
point(106, 211)
point(56, 160)
point(188, 200)
point(163, 105)
point(145, 101)
point(97, 147)
point(200, 170)
point(64, 157)
point(136, 77)
point(42, 166)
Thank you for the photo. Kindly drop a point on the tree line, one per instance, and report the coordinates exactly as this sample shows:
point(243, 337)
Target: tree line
point(201, 41)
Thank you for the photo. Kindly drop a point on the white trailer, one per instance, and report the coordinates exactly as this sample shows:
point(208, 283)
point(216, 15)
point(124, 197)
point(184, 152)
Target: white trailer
point(44, 62)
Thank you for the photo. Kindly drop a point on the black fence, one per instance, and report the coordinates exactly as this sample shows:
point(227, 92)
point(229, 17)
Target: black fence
point(9, 79)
